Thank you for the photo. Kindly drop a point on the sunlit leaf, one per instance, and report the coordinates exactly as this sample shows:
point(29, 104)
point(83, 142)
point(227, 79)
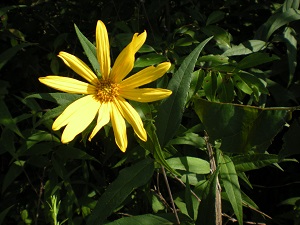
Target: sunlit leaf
point(89, 49)
point(171, 110)
point(246, 48)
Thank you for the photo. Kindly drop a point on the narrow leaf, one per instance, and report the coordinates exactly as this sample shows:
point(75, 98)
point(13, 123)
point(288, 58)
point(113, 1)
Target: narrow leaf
point(11, 52)
point(231, 183)
point(256, 59)
point(207, 209)
point(171, 110)
point(89, 49)
point(255, 161)
point(246, 48)
point(129, 179)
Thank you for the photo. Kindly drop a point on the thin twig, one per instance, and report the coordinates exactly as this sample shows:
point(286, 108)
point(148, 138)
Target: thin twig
point(213, 168)
point(170, 194)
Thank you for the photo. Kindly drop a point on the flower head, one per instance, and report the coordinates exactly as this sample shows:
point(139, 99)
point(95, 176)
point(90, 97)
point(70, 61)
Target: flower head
point(104, 97)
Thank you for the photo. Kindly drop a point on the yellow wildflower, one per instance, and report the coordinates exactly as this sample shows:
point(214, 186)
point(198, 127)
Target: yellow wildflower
point(105, 97)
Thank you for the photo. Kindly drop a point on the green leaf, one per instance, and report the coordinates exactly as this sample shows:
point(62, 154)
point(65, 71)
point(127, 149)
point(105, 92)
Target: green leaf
point(190, 206)
point(222, 37)
point(15, 169)
point(290, 4)
point(147, 219)
point(149, 59)
point(7, 120)
point(210, 86)
point(171, 110)
point(214, 60)
point(215, 17)
point(275, 22)
point(9, 53)
point(253, 161)
point(241, 128)
point(256, 59)
point(246, 48)
point(59, 98)
point(190, 164)
point(207, 208)
point(189, 139)
point(231, 183)
point(89, 49)
point(226, 89)
point(289, 35)
point(129, 179)
point(3, 214)
point(153, 145)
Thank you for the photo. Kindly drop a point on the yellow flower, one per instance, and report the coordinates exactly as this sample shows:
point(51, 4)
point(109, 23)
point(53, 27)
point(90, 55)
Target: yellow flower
point(105, 97)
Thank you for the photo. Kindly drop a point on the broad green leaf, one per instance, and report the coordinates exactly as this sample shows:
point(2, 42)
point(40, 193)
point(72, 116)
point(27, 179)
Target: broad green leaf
point(89, 49)
point(59, 98)
point(253, 161)
point(156, 203)
point(9, 53)
point(207, 209)
point(6, 119)
point(129, 179)
point(246, 48)
point(291, 44)
point(275, 22)
point(290, 201)
point(241, 128)
point(14, 170)
point(215, 17)
point(192, 204)
point(231, 183)
point(171, 110)
point(256, 59)
point(149, 59)
point(190, 164)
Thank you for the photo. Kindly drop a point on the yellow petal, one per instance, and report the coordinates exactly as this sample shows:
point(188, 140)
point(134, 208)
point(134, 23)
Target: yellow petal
point(119, 127)
point(145, 94)
point(125, 61)
point(102, 46)
point(68, 85)
point(80, 120)
point(79, 67)
point(132, 117)
point(67, 114)
point(103, 118)
point(145, 76)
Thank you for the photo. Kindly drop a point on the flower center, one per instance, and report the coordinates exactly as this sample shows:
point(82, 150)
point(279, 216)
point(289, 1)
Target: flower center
point(107, 90)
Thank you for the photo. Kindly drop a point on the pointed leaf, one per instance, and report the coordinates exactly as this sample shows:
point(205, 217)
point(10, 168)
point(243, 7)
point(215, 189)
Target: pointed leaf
point(256, 59)
point(59, 98)
point(171, 110)
point(129, 179)
point(207, 208)
point(255, 161)
point(246, 48)
point(276, 21)
point(231, 183)
point(89, 49)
